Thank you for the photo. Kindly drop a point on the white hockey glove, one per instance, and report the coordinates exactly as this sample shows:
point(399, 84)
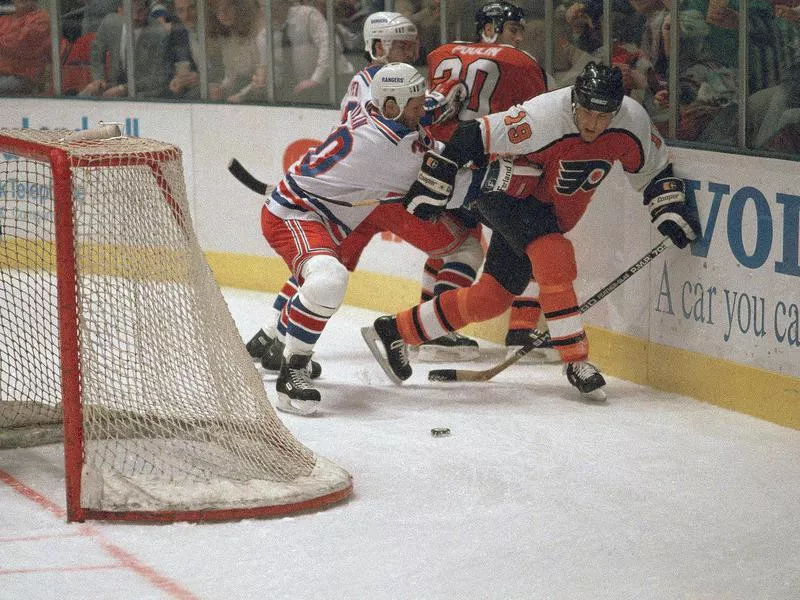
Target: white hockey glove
point(669, 211)
point(444, 101)
point(429, 194)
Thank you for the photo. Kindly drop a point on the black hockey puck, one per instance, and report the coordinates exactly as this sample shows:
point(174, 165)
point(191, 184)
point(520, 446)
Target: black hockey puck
point(440, 431)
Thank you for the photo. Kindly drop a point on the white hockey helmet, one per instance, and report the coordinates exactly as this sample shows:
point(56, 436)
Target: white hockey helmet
point(386, 27)
point(399, 81)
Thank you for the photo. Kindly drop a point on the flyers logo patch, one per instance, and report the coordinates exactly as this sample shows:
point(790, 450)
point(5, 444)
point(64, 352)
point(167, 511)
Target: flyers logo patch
point(574, 175)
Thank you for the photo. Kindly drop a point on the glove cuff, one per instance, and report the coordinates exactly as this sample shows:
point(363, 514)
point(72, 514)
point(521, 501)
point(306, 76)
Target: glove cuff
point(673, 188)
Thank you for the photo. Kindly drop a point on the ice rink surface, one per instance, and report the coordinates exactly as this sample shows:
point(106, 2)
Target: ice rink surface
point(535, 494)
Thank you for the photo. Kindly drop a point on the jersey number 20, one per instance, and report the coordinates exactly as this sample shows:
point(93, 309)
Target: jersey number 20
point(481, 80)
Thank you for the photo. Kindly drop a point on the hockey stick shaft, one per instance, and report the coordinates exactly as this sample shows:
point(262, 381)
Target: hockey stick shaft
point(539, 341)
point(245, 177)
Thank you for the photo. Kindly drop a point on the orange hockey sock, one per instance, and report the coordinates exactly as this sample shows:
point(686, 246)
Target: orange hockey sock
point(553, 260)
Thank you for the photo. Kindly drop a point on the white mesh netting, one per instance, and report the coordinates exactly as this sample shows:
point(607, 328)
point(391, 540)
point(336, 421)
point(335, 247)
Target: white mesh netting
point(175, 417)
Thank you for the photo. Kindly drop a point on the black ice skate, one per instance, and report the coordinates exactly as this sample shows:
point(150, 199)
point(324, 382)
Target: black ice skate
point(395, 361)
point(258, 345)
point(296, 393)
point(452, 347)
point(587, 379)
point(269, 352)
point(517, 338)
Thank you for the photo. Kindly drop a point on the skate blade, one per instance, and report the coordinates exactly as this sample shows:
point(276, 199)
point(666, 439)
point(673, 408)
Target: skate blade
point(597, 395)
point(375, 344)
point(296, 407)
point(433, 353)
point(546, 356)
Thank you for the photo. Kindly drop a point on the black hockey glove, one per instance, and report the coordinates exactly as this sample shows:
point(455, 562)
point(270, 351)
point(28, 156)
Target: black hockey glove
point(670, 212)
point(429, 194)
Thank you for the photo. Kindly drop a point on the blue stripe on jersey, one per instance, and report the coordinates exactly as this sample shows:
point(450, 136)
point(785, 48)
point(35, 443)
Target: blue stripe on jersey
point(367, 73)
point(318, 204)
point(324, 157)
point(286, 202)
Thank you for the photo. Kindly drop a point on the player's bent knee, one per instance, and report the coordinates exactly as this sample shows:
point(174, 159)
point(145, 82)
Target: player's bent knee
point(485, 299)
point(553, 259)
point(324, 284)
point(469, 253)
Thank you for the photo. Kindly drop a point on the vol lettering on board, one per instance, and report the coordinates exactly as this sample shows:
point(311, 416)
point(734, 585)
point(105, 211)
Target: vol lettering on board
point(752, 229)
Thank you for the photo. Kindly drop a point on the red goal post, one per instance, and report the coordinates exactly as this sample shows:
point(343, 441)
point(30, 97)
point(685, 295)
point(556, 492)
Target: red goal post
point(115, 336)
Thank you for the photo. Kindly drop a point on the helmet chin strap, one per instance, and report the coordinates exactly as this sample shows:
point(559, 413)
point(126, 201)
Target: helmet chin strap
point(489, 40)
point(383, 58)
point(574, 106)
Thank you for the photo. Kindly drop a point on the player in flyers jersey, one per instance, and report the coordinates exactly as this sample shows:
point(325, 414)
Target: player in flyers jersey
point(495, 75)
point(306, 223)
point(574, 136)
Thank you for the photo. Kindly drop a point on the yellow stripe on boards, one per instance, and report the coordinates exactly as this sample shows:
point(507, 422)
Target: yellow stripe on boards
point(747, 390)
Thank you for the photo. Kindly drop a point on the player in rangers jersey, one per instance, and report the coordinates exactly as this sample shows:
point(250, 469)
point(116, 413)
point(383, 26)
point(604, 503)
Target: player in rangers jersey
point(303, 223)
point(495, 75)
point(574, 135)
point(393, 37)
point(388, 37)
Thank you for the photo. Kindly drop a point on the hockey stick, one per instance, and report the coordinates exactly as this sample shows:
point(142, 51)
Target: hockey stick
point(246, 178)
point(541, 340)
point(259, 187)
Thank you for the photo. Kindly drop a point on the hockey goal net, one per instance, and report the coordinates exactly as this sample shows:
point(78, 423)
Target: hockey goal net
point(115, 337)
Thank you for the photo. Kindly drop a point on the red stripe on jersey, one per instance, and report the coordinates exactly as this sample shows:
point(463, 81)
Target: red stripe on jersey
point(454, 278)
point(285, 191)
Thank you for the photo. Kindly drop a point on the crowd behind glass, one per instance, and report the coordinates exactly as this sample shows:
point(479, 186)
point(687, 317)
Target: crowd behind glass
point(726, 77)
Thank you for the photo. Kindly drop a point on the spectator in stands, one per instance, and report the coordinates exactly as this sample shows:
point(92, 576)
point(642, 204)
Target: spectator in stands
point(426, 15)
point(158, 12)
point(568, 61)
point(584, 18)
point(773, 115)
point(94, 12)
point(763, 40)
point(238, 27)
point(24, 48)
point(787, 20)
point(344, 12)
point(303, 60)
point(183, 51)
point(357, 12)
point(652, 50)
point(708, 90)
point(579, 39)
point(151, 68)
